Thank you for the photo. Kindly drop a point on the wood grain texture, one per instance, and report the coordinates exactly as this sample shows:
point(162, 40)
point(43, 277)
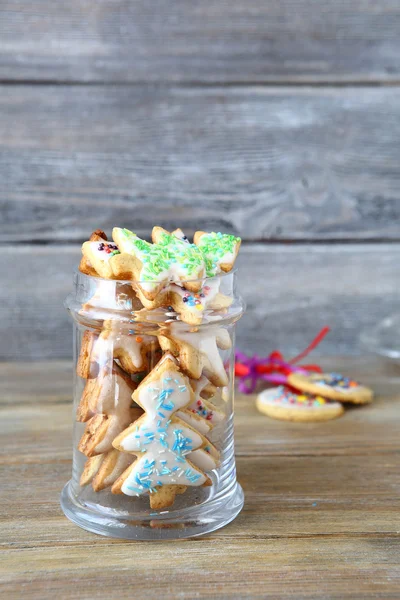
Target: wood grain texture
point(291, 293)
point(267, 164)
point(31, 402)
point(313, 525)
point(252, 41)
point(298, 569)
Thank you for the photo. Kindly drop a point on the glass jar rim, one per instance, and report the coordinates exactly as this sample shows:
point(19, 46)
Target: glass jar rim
point(203, 280)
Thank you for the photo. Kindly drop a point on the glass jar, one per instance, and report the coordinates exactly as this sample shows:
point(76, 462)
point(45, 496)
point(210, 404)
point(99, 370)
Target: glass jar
point(153, 444)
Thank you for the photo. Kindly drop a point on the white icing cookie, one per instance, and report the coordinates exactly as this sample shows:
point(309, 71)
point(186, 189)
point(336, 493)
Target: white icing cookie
point(333, 386)
point(280, 403)
point(163, 443)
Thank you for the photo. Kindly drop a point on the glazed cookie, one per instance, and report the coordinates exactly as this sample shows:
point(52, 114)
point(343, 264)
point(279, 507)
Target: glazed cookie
point(198, 351)
point(207, 410)
point(280, 403)
point(108, 302)
point(192, 305)
point(178, 233)
point(99, 255)
point(163, 443)
point(187, 262)
point(85, 367)
point(92, 465)
point(103, 470)
point(155, 265)
point(333, 386)
point(106, 407)
point(128, 347)
point(84, 266)
point(101, 429)
point(219, 251)
point(203, 388)
point(99, 392)
point(195, 420)
point(162, 298)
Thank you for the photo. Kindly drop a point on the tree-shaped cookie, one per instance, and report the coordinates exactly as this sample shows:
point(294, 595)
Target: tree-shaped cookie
point(102, 470)
point(198, 351)
point(207, 410)
point(169, 452)
point(106, 408)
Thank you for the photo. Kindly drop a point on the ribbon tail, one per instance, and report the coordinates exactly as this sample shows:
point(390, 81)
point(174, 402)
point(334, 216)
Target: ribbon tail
point(317, 340)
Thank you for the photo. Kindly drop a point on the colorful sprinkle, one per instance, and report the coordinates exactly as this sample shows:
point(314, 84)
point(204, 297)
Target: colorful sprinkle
point(337, 380)
point(217, 248)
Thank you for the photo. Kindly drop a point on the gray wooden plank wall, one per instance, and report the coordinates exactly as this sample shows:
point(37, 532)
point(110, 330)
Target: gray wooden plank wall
point(278, 121)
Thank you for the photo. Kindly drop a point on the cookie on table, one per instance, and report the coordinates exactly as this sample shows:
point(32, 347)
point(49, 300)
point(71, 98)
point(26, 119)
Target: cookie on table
point(333, 386)
point(281, 403)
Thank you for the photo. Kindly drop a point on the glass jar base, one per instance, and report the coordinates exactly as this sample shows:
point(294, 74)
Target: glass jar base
point(166, 525)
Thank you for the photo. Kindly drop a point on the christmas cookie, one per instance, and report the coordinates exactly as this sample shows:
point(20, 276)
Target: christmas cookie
point(195, 420)
point(178, 233)
point(203, 388)
point(128, 347)
point(333, 386)
point(84, 366)
point(103, 470)
point(191, 306)
point(84, 266)
point(106, 407)
point(164, 445)
point(168, 259)
point(100, 256)
point(92, 465)
point(280, 403)
point(207, 410)
point(198, 351)
point(218, 249)
point(109, 302)
point(162, 298)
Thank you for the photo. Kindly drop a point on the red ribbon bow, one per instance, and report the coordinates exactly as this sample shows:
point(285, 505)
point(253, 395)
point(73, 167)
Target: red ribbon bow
point(273, 368)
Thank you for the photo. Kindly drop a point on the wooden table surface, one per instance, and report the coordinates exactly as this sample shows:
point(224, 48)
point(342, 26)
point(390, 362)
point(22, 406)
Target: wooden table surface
point(321, 516)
